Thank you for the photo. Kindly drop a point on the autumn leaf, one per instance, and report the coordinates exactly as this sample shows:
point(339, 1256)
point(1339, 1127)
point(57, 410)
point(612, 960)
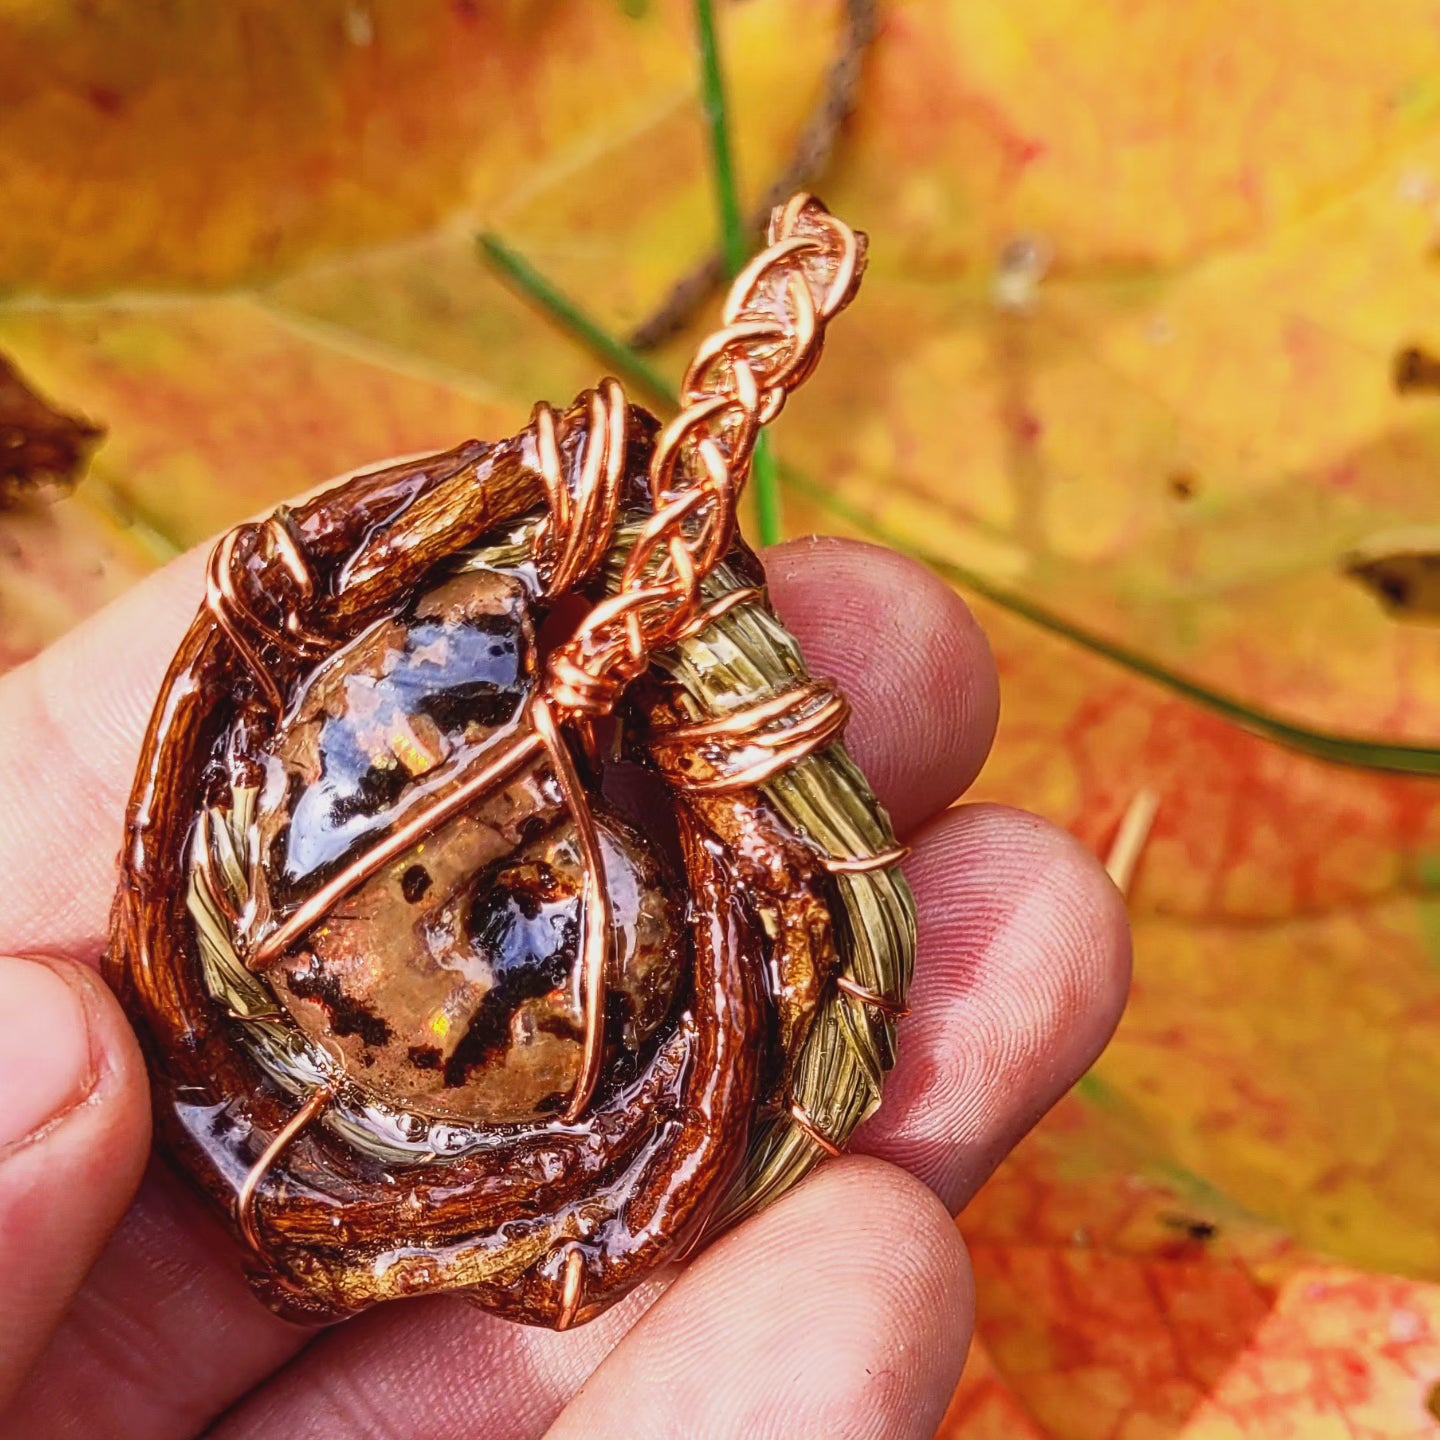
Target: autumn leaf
point(1121, 1296)
point(1143, 363)
point(284, 201)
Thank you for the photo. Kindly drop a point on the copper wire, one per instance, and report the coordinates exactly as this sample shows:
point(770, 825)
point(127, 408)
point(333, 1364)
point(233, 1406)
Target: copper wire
point(597, 931)
point(896, 1009)
point(864, 864)
point(222, 598)
point(572, 1288)
point(706, 617)
point(753, 717)
point(775, 318)
point(802, 1119)
point(576, 533)
point(245, 1216)
point(228, 586)
point(789, 726)
point(513, 753)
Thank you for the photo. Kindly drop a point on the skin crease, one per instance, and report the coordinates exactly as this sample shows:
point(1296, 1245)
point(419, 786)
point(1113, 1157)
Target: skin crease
point(844, 1310)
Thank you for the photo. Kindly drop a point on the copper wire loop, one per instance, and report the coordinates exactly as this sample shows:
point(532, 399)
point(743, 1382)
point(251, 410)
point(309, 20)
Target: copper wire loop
point(864, 864)
point(245, 1216)
point(243, 570)
point(750, 746)
point(775, 320)
point(575, 535)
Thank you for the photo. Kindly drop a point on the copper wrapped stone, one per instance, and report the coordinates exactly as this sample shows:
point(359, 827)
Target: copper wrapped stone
point(499, 910)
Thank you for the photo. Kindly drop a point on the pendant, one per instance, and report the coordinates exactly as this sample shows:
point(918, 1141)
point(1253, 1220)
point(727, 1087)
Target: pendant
point(499, 909)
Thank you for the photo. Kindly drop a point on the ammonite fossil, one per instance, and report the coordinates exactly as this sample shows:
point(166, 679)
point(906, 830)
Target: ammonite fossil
point(499, 909)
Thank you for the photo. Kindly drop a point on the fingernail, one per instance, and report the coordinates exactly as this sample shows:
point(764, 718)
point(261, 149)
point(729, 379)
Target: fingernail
point(45, 1056)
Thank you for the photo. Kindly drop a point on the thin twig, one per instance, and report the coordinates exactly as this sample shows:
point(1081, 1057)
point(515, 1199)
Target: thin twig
point(811, 158)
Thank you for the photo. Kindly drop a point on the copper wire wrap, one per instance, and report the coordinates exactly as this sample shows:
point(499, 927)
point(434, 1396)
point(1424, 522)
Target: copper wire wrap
point(802, 1119)
point(896, 1009)
point(864, 864)
point(774, 326)
point(775, 318)
point(748, 747)
point(579, 527)
point(284, 573)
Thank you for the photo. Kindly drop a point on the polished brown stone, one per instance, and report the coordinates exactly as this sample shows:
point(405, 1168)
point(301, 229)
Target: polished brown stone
point(449, 983)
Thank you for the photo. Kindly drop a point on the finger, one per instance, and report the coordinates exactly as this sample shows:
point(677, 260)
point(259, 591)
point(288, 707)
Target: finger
point(908, 655)
point(850, 1297)
point(74, 1130)
point(71, 722)
point(1023, 966)
point(431, 1369)
point(162, 1336)
point(845, 1309)
point(1022, 969)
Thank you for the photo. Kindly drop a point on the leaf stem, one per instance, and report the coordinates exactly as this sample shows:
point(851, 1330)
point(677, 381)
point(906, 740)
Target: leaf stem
point(527, 282)
point(733, 240)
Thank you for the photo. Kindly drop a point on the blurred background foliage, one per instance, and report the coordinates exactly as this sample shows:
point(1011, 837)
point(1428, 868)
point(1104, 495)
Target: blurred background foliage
point(1145, 363)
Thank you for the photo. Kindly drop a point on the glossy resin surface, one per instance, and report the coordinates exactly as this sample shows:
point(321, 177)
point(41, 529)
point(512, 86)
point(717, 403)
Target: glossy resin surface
point(365, 870)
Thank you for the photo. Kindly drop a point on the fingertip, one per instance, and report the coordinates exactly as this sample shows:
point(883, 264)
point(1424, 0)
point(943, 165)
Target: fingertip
point(76, 1134)
point(908, 655)
point(865, 1223)
point(851, 1296)
point(122, 1085)
point(1022, 974)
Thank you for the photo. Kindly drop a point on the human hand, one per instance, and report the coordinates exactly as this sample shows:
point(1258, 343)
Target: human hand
point(844, 1310)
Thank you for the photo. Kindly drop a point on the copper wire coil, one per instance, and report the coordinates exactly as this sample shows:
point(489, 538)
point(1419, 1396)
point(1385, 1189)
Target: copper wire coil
point(719, 756)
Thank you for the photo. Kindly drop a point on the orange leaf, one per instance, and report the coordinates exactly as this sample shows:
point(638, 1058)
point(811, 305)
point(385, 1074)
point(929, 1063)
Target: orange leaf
point(1145, 352)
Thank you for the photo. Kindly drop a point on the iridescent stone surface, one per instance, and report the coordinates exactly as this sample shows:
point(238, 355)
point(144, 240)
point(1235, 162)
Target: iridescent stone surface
point(449, 982)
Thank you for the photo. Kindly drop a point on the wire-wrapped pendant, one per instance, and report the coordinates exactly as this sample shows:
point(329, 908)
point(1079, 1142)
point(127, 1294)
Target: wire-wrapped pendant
point(499, 909)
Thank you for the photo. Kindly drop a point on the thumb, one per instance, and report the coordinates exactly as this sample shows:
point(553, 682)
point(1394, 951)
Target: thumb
point(74, 1132)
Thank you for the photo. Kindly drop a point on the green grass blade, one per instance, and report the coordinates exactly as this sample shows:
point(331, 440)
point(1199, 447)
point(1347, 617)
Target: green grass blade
point(733, 242)
point(1354, 750)
point(717, 120)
